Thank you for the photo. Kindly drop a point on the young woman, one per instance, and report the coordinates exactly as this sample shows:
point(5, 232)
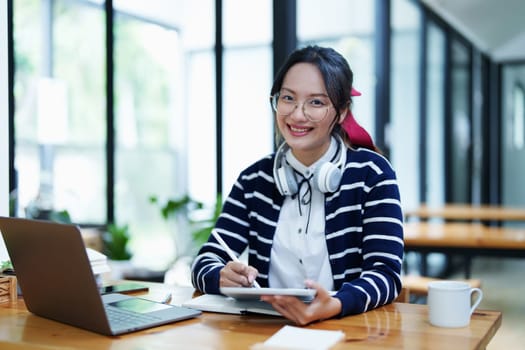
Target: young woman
point(322, 212)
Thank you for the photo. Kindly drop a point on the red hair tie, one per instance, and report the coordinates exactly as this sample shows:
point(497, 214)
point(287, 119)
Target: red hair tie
point(356, 133)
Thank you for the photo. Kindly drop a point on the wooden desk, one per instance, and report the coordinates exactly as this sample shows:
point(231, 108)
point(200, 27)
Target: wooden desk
point(464, 237)
point(468, 240)
point(395, 326)
point(465, 241)
point(468, 212)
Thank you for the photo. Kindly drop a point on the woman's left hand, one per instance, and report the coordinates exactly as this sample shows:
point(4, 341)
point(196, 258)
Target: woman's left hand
point(323, 306)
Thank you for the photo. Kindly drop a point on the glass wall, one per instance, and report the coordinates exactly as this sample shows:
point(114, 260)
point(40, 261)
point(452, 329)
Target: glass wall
point(27, 23)
point(4, 124)
point(164, 106)
point(405, 98)
point(198, 41)
point(247, 79)
point(513, 135)
point(4, 135)
point(148, 133)
point(60, 109)
point(434, 139)
point(164, 109)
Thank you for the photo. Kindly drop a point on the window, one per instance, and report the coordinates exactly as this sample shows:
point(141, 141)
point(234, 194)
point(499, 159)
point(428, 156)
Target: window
point(512, 134)
point(149, 129)
point(247, 80)
point(4, 135)
point(518, 125)
point(434, 133)
point(60, 109)
point(165, 120)
point(405, 97)
point(161, 61)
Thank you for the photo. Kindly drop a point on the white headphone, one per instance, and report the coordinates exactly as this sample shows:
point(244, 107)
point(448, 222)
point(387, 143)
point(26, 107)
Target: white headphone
point(327, 175)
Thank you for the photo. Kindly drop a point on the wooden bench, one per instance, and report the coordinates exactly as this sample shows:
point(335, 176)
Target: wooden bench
point(418, 285)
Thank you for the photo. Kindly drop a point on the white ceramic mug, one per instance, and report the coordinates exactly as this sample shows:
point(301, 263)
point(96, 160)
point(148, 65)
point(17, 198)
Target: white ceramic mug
point(450, 303)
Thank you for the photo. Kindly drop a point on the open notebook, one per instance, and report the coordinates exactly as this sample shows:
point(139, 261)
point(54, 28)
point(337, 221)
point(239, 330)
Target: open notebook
point(57, 282)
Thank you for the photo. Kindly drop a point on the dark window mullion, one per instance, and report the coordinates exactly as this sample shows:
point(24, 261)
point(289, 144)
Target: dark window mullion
point(13, 181)
point(218, 91)
point(448, 122)
point(110, 122)
point(382, 68)
point(284, 32)
point(423, 71)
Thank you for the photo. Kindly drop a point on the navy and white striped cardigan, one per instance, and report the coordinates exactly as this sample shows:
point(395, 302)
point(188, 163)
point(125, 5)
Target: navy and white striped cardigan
point(364, 231)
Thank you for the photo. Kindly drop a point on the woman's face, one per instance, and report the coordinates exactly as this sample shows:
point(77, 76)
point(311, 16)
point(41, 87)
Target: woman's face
point(308, 140)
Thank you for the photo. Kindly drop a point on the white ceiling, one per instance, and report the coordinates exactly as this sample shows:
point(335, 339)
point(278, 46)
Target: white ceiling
point(496, 27)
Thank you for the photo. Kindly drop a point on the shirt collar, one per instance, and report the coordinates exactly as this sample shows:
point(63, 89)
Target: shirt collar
point(307, 171)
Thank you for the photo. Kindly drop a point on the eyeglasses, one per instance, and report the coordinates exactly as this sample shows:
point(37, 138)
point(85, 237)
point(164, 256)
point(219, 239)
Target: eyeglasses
point(315, 109)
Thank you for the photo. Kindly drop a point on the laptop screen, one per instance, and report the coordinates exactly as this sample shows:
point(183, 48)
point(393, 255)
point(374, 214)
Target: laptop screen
point(139, 305)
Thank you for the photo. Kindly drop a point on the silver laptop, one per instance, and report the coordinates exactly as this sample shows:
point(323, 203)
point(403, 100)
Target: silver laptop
point(56, 280)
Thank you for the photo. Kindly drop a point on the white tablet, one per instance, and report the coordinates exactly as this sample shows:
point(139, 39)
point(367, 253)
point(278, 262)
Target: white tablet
point(246, 293)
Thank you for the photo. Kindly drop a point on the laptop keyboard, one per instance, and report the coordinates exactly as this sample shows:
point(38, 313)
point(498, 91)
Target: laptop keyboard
point(123, 318)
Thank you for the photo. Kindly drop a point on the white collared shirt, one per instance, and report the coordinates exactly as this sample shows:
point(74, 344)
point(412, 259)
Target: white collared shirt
point(299, 250)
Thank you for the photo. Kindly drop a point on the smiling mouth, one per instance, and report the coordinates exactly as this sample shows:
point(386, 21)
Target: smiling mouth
point(296, 129)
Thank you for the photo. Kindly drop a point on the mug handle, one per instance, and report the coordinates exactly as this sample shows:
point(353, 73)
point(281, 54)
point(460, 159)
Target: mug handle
point(478, 299)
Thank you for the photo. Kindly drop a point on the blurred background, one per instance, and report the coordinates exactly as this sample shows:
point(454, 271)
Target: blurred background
point(132, 119)
point(118, 102)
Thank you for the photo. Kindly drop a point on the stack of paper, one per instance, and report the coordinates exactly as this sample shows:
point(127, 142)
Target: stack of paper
point(99, 262)
point(295, 338)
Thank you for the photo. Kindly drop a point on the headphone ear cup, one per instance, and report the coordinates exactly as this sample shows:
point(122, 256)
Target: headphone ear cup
point(327, 177)
point(285, 180)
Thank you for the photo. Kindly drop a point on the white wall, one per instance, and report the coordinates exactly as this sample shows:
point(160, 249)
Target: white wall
point(4, 161)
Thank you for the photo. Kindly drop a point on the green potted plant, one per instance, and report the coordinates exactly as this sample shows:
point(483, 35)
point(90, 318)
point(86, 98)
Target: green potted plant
point(177, 211)
point(5, 265)
point(190, 216)
point(193, 227)
point(115, 246)
point(115, 241)
point(202, 228)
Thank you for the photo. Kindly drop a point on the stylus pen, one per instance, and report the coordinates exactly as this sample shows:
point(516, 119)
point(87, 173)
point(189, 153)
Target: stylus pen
point(167, 299)
point(229, 252)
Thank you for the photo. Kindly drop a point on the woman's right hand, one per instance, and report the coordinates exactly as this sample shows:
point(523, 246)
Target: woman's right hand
point(237, 274)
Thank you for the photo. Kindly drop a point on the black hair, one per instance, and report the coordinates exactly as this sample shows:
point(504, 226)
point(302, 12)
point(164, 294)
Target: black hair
point(335, 70)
